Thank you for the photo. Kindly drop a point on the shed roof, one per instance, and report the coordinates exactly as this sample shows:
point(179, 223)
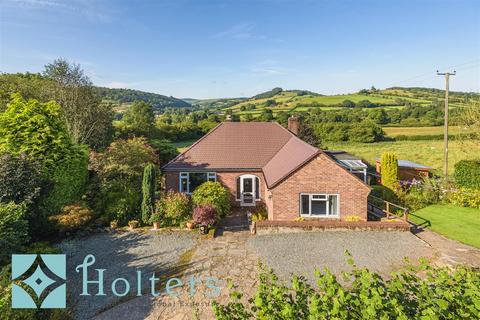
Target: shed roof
point(410, 164)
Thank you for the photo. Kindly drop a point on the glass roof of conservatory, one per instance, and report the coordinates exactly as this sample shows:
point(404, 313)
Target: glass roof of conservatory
point(353, 164)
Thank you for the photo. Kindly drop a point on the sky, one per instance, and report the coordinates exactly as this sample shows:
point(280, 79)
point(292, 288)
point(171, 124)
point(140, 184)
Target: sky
point(220, 48)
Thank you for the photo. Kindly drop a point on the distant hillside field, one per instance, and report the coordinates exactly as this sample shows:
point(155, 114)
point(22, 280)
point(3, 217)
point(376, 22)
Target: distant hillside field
point(421, 131)
point(297, 100)
point(425, 152)
point(125, 97)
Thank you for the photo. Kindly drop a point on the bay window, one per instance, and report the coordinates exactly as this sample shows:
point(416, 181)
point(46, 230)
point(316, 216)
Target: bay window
point(189, 181)
point(319, 205)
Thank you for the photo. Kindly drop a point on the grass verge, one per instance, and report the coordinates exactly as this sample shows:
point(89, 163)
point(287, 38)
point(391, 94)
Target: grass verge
point(457, 223)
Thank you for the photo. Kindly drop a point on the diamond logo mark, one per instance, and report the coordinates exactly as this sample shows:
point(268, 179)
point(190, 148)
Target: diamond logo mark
point(39, 281)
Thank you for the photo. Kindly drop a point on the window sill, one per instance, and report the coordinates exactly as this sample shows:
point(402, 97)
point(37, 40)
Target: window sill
point(319, 217)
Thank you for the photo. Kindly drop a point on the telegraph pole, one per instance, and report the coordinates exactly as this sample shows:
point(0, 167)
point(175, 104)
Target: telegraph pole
point(445, 126)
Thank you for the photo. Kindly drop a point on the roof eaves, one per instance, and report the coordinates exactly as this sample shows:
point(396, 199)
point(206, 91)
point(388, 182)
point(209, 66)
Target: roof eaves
point(212, 169)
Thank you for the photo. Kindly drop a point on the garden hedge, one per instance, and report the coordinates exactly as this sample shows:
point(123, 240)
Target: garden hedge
point(467, 173)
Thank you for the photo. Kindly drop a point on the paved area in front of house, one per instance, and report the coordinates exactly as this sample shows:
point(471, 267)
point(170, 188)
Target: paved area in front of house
point(302, 253)
point(235, 254)
point(450, 252)
point(121, 254)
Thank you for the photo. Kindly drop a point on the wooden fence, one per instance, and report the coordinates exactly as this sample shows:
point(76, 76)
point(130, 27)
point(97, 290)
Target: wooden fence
point(382, 209)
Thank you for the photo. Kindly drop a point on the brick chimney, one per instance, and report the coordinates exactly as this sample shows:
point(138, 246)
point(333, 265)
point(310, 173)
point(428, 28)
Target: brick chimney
point(293, 125)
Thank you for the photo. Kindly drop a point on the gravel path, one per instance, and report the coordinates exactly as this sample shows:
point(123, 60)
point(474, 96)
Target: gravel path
point(301, 253)
point(122, 254)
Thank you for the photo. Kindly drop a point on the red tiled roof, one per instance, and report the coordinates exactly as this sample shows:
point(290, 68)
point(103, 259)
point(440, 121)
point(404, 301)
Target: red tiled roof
point(264, 146)
point(292, 155)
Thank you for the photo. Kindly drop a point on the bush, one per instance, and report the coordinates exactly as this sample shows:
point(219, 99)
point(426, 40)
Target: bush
point(72, 218)
point(464, 197)
point(260, 213)
point(384, 193)
point(467, 173)
point(148, 192)
point(389, 170)
point(213, 194)
point(176, 208)
point(157, 215)
point(20, 179)
point(118, 178)
point(422, 292)
point(204, 215)
point(428, 191)
point(13, 230)
point(68, 180)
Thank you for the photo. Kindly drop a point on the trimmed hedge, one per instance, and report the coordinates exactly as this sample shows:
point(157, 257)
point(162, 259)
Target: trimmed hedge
point(467, 173)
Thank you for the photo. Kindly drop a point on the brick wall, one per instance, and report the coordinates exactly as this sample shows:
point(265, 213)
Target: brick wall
point(227, 179)
point(320, 175)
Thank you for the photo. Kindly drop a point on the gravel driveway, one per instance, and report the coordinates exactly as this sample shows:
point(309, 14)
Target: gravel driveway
point(121, 254)
point(301, 253)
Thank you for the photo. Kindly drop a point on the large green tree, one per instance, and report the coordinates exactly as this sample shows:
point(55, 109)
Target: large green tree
point(139, 118)
point(88, 120)
point(36, 130)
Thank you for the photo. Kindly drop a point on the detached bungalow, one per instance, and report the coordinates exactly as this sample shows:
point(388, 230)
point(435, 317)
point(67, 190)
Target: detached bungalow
point(262, 162)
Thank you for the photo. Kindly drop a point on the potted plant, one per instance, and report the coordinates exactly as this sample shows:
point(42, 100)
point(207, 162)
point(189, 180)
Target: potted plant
point(190, 224)
point(132, 224)
point(204, 216)
point(155, 220)
point(114, 224)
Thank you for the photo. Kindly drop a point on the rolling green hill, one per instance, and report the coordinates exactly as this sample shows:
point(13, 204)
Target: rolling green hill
point(297, 100)
point(125, 97)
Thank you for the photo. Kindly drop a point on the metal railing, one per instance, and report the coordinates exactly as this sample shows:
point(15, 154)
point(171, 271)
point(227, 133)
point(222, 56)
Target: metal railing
point(385, 209)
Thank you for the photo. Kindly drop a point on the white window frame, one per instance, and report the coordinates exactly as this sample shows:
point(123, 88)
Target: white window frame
point(324, 195)
point(186, 176)
point(254, 189)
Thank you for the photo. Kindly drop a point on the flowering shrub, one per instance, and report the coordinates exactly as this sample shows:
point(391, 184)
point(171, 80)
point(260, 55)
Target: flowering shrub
point(352, 218)
point(176, 208)
point(422, 292)
point(72, 218)
point(213, 194)
point(204, 215)
point(464, 197)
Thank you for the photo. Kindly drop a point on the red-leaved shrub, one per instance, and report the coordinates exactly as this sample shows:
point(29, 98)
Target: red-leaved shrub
point(204, 215)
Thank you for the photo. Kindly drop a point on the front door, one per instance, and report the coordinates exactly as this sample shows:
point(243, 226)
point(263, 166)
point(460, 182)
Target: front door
point(247, 192)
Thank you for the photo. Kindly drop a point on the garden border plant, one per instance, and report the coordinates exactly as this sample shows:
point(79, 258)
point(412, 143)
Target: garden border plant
point(415, 292)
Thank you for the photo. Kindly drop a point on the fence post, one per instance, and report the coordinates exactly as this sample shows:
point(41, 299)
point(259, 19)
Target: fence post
point(388, 209)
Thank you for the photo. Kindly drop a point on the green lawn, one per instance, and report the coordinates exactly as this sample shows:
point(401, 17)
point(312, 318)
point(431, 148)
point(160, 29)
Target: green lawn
point(182, 145)
point(461, 224)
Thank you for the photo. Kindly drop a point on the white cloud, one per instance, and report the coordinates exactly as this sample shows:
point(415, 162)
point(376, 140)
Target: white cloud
point(90, 8)
point(243, 30)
